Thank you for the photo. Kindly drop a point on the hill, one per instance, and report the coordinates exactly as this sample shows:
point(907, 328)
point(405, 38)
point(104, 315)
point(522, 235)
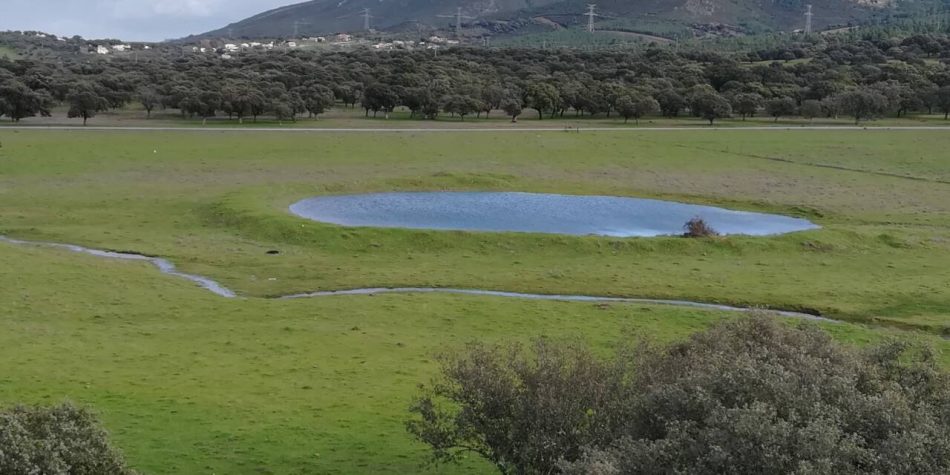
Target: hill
point(668, 18)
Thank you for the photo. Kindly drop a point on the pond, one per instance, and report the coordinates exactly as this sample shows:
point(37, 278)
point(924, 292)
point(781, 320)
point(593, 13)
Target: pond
point(536, 213)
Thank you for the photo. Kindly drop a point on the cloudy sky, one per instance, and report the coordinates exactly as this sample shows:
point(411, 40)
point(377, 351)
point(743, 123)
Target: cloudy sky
point(142, 20)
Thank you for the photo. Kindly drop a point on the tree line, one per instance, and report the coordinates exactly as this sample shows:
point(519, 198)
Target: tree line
point(813, 77)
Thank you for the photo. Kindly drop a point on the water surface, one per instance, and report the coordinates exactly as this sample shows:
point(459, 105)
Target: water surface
point(537, 213)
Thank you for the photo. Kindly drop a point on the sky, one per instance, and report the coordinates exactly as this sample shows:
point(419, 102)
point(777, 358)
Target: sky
point(131, 20)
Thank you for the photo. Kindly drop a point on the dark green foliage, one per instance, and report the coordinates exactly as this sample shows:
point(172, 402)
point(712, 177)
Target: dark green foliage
point(811, 109)
point(747, 396)
point(18, 101)
point(317, 98)
point(710, 106)
point(149, 99)
point(671, 102)
point(379, 97)
point(862, 104)
point(461, 105)
point(635, 106)
point(56, 440)
point(512, 106)
point(780, 106)
point(907, 72)
point(85, 102)
point(543, 97)
point(942, 101)
point(746, 104)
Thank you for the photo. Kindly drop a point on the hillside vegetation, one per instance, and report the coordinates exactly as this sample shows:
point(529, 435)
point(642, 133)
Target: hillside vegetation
point(507, 17)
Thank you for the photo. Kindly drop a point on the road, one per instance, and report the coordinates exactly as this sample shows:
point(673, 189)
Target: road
point(473, 129)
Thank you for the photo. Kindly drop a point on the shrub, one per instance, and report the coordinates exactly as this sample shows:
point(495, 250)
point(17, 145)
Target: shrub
point(56, 440)
point(751, 395)
point(698, 228)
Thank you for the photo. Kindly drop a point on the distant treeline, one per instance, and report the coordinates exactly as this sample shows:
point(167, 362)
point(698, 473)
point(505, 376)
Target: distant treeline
point(813, 76)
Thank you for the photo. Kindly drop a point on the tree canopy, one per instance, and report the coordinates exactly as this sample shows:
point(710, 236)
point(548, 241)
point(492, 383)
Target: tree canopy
point(751, 395)
point(63, 439)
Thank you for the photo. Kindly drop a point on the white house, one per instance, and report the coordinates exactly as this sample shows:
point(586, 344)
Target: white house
point(231, 47)
point(121, 48)
point(292, 44)
point(102, 49)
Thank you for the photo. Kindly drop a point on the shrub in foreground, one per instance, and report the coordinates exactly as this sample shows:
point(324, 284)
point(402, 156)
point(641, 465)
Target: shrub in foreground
point(747, 396)
point(56, 440)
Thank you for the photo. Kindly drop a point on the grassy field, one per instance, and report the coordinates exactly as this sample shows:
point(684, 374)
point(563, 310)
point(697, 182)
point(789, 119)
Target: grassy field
point(192, 383)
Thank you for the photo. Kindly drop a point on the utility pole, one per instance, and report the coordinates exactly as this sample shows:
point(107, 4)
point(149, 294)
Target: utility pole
point(230, 33)
point(808, 17)
point(591, 13)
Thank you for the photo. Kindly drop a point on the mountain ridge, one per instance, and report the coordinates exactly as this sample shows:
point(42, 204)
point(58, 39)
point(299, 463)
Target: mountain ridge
point(513, 17)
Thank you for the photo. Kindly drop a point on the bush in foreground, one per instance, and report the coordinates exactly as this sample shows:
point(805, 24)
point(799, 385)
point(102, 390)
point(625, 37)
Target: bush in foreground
point(56, 440)
point(746, 396)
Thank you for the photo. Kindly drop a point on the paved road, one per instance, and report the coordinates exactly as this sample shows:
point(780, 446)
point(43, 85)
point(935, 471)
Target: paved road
point(474, 129)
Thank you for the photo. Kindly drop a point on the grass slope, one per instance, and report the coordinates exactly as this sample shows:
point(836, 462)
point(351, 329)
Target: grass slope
point(216, 202)
point(191, 383)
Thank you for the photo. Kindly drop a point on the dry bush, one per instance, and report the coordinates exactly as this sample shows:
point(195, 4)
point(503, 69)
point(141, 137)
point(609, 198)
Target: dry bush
point(698, 228)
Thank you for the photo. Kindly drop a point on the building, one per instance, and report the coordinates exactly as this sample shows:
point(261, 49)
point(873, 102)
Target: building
point(102, 49)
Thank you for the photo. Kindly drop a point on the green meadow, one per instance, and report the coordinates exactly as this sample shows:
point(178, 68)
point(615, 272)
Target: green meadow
point(188, 382)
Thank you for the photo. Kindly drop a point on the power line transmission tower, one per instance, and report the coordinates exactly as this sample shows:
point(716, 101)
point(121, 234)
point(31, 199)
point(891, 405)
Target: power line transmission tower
point(808, 17)
point(297, 24)
point(591, 14)
point(458, 20)
point(366, 18)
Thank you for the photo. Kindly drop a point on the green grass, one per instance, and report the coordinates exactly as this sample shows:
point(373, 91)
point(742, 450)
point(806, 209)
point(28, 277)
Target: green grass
point(192, 383)
point(216, 202)
point(8, 52)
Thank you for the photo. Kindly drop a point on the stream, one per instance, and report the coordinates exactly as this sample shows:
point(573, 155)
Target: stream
point(167, 267)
